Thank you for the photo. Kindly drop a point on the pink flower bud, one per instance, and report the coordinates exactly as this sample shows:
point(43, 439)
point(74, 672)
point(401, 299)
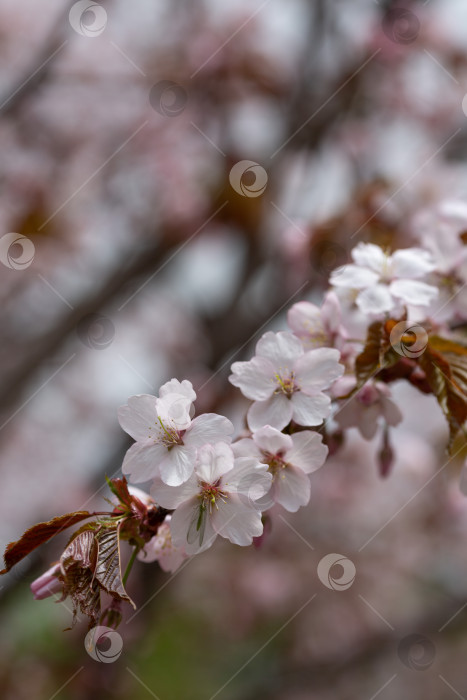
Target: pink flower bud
point(48, 584)
point(368, 395)
point(385, 456)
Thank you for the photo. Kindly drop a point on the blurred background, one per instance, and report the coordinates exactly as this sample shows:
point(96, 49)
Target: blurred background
point(174, 175)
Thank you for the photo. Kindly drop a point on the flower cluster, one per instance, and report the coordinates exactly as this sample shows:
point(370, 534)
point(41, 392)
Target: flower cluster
point(212, 486)
point(307, 386)
point(385, 283)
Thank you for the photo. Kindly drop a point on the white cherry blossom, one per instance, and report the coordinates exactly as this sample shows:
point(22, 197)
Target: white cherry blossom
point(218, 499)
point(318, 327)
point(290, 458)
point(161, 548)
point(365, 409)
point(385, 282)
point(285, 382)
point(167, 439)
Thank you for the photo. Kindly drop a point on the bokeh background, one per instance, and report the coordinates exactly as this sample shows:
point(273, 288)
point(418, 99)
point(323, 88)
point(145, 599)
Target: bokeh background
point(119, 126)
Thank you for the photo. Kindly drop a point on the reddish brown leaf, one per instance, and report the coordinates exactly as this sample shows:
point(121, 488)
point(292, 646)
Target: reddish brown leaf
point(78, 563)
point(119, 488)
point(108, 567)
point(37, 535)
point(81, 550)
point(377, 353)
point(445, 365)
point(128, 504)
point(368, 362)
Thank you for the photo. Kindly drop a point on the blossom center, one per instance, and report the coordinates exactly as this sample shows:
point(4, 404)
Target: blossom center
point(285, 383)
point(169, 436)
point(210, 493)
point(386, 272)
point(276, 463)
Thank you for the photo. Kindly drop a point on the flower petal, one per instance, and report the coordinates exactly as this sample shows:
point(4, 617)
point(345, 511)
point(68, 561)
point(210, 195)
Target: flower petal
point(371, 256)
point(412, 263)
point(173, 496)
point(276, 411)
point(174, 411)
point(177, 465)
point(281, 349)
point(317, 369)
point(354, 277)
point(375, 300)
point(214, 461)
point(185, 533)
point(310, 410)
point(414, 292)
point(161, 548)
point(249, 479)
point(184, 388)
point(139, 417)
point(291, 488)
point(236, 521)
point(171, 558)
point(246, 447)
point(308, 323)
point(305, 321)
point(331, 312)
point(271, 440)
point(368, 424)
point(255, 378)
point(308, 452)
point(141, 462)
point(355, 413)
point(349, 415)
point(390, 411)
point(208, 428)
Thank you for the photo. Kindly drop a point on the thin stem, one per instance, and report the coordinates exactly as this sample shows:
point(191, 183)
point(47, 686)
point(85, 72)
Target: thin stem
point(130, 565)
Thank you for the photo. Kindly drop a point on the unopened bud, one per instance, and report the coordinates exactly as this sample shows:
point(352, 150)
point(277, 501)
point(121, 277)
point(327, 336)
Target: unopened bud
point(48, 584)
point(385, 456)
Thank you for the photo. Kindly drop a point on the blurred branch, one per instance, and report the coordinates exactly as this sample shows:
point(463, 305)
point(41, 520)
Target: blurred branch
point(40, 67)
point(147, 260)
point(359, 658)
